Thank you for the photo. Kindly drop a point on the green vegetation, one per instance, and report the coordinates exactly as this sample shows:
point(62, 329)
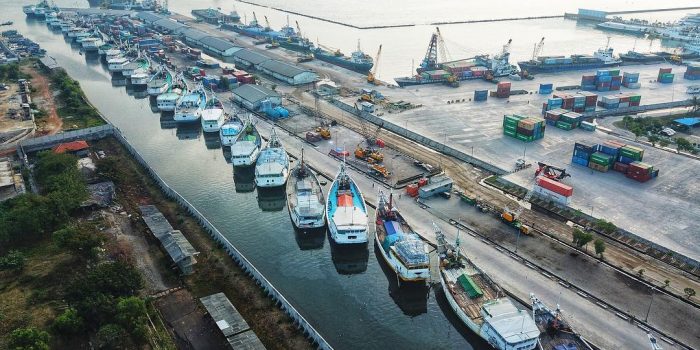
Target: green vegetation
point(599, 246)
point(683, 144)
point(689, 292)
point(14, 260)
point(29, 339)
point(10, 73)
point(581, 238)
point(73, 106)
point(605, 226)
point(666, 283)
point(80, 240)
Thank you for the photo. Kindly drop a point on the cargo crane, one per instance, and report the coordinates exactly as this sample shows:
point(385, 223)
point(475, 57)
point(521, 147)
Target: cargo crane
point(298, 29)
point(444, 54)
point(551, 172)
point(538, 48)
point(372, 75)
point(430, 61)
point(267, 24)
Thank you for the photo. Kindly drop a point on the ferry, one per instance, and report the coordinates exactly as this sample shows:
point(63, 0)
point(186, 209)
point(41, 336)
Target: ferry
point(401, 247)
point(117, 64)
point(305, 198)
point(555, 332)
point(189, 107)
point(480, 303)
point(230, 132)
point(246, 149)
point(213, 115)
point(272, 166)
point(160, 82)
point(346, 210)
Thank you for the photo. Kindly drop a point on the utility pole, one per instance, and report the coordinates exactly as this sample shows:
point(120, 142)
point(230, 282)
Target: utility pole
point(650, 302)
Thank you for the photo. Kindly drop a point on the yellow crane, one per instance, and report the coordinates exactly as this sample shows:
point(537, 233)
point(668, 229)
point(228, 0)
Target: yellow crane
point(371, 76)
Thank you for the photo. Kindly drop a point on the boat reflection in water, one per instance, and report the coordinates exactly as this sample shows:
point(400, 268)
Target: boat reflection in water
point(167, 121)
point(153, 103)
point(349, 259)
point(118, 80)
point(244, 179)
point(410, 297)
point(212, 140)
point(310, 239)
point(92, 58)
point(188, 131)
point(272, 198)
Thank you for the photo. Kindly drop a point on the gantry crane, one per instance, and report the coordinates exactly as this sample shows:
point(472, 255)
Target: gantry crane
point(372, 75)
point(538, 48)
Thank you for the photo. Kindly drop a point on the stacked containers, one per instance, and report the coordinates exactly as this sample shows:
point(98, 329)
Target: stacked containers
point(693, 71)
point(551, 117)
point(553, 190)
point(629, 154)
point(580, 102)
point(525, 129)
point(503, 90)
point(588, 83)
point(610, 102)
point(582, 153)
point(641, 172)
point(616, 83)
point(591, 100)
point(481, 95)
point(665, 76)
point(601, 161)
point(568, 121)
point(620, 101)
point(588, 126)
point(631, 80)
point(546, 89)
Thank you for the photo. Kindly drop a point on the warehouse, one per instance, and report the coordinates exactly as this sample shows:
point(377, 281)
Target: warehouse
point(288, 73)
point(218, 46)
point(148, 17)
point(193, 36)
point(251, 96)
point(169, 26)
point(249, 59)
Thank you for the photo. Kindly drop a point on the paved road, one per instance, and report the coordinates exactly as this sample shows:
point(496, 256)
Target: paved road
point(601, 326)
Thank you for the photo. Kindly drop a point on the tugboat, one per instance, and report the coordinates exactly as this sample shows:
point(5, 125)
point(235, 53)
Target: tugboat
point(480, 303)
point(305, 198)
point(346, 210)
point(401, 247)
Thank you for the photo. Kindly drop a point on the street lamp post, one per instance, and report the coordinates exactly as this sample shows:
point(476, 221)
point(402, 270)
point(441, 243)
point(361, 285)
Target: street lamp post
point(650, 302)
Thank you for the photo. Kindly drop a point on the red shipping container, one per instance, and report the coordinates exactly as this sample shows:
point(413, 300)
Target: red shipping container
point(640, 178)
point(202, 72)
point(422, 182)
point(555, 186)
point(621, 167)
point(665, 70)
point(503, 85)
point(412, 190)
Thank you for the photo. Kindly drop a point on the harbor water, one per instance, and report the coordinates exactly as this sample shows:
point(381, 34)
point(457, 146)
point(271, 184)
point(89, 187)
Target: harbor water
point(348, 295)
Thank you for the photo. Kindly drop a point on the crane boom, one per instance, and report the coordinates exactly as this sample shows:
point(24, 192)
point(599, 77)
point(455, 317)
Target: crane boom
point(371, 76)
point(538, 48)
point(444, 54)
point(267, 23)
point(298, 29)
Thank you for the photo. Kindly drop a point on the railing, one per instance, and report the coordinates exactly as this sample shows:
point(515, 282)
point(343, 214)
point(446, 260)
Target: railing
point(309, 331)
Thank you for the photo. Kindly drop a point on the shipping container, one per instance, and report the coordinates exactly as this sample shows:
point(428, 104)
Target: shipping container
point(598, 167)
point(579, 161)
point(548, 195)
point(555, 186)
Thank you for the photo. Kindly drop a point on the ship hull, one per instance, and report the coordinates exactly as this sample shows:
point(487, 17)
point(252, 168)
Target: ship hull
point(457, 310)
point(357, 67)
point(157, 90)
point(350, 234)
point(245, 160)
point(403, 82)
point(295, 46)
point(554, 68)
point(300, 224)
point(401, 271)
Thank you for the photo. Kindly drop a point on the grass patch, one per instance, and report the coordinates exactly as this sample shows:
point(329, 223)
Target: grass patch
point(73, 107)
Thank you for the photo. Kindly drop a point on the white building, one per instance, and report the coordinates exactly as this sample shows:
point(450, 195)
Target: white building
point(251, 96)
point(288, 73)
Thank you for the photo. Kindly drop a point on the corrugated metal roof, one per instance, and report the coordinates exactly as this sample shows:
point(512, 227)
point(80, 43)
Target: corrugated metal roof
point(172, 240)
point(155, 221)
point(169, 24)
point(282, 68)
point(177, 246)
point(148, 17)
point(251, 56)
point(225, 314)
point(217, 43)
point(194, 34)
point(253, 93)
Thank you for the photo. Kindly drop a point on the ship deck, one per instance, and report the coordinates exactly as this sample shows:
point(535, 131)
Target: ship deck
point(305, 194)
point(470, 306)
point(550, 341)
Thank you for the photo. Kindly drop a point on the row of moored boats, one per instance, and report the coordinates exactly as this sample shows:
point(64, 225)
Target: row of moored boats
point(479, 303)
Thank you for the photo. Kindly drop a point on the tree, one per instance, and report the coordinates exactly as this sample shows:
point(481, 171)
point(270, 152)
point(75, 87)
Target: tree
point(131, 314)
point(50, 164)
point(637, 131)
point(111, 336)
point(683, 144)
point(28, 339)
point(581, 238)
point(599, 246)
point(25, 218)
point(653, 139)
point(68, 323)
point(663, 143)
point(689, 292)
point(82, 241)
point(13, 260)
point(640, 273)
point(667, 283)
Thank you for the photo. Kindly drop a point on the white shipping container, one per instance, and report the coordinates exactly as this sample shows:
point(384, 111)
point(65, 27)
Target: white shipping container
point(633, 85)
point(611, 99)
point(624, 105)
point(551, 196)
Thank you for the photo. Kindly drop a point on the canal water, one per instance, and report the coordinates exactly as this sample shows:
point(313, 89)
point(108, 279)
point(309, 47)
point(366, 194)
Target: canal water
point(348, 295)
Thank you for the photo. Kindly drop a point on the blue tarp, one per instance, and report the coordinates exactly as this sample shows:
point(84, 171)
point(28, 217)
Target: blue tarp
point(688, 121)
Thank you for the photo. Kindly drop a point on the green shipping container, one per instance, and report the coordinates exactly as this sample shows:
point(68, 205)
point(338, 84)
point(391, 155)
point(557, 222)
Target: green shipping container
point(635, 98)
point(614, 73)
point(469, 286)
point(509, 133)
point(564, 125)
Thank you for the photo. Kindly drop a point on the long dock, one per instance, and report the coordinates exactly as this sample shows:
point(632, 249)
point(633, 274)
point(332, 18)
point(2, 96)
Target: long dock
point(401, 25)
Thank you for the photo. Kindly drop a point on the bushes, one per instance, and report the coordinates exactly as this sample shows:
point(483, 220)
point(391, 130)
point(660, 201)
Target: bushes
point(605, 226)
point(82, 241)
point(68, 323)
point(14, 260)
point(28, 339)
point(73, 103)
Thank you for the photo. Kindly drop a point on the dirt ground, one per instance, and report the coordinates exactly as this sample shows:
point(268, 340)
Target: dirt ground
point(44, 99)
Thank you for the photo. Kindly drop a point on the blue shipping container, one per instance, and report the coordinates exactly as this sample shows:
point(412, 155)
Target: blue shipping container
point(579, 161)
point(582, 153)
point(625, 160)
point(609, 150)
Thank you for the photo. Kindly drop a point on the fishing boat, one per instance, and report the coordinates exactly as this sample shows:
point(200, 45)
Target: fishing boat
point(358, 61)
point(555, 332)
point(346, 210)
point(305, 198)
point(246, 149)
point(102, 49)
point(140, 65)
point(167, 102)
point(272, 166)
point(91, 44)
point(112, 54)
point(213, 115)
point(117, 64)
point(401, 247)
point(189, 107)
point(230, 131)
point(140, 77)
point(160, 82)
point(480, 303)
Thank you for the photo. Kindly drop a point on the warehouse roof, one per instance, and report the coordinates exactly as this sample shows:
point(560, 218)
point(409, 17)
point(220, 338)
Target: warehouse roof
point(194, 34)
point(155, 221)
point(283, 68)
point(217, 43)
point(169, 24)
point(73, 146)
point(253, 93)
point(178, 247)
point(251, 56)
point(224, 314)
point(148, 17)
